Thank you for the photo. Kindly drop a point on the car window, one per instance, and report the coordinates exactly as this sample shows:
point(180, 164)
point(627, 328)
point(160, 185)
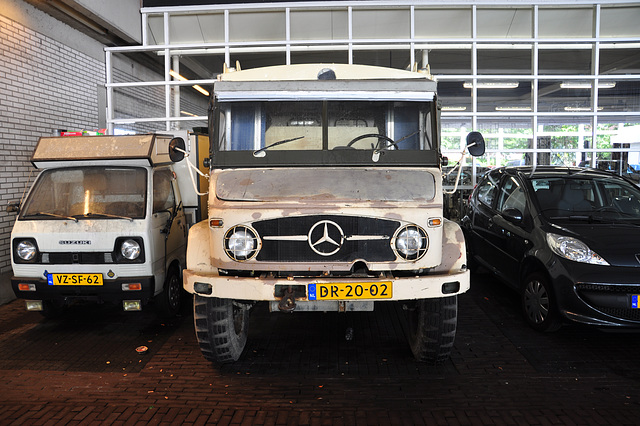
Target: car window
point(163, 197)
point(511, 196)
point(487, 190)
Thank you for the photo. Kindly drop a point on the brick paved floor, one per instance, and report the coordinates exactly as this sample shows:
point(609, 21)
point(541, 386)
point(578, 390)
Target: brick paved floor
point(299, 369)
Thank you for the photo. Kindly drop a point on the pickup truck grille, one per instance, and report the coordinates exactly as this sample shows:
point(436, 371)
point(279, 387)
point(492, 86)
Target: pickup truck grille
point(326, 238)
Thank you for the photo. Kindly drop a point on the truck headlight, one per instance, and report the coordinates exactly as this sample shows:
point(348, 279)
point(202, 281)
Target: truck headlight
point(130, 249)
point(25, 250)
point(411, 242)
point(241, 243)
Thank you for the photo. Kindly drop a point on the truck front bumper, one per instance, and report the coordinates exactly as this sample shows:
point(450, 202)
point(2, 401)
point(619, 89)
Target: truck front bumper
point(111, 291)
point(269, 288)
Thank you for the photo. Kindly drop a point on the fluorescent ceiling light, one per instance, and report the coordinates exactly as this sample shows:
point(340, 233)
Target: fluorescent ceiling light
point(587, 85)
point(513, 108)
point(454, 108)
point(580, 109)
point(492, 85)
point(181, 78)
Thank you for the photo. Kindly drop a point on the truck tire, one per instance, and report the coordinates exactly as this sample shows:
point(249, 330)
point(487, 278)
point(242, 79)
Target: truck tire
point(170, 299)
point(432, 327)
point(221, 328)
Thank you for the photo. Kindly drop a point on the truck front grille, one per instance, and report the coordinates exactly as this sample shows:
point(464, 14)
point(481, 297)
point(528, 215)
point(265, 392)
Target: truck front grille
point(326, 238)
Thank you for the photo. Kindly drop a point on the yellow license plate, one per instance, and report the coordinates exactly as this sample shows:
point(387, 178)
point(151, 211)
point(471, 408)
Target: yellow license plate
point(74, 279)
point(349, 291)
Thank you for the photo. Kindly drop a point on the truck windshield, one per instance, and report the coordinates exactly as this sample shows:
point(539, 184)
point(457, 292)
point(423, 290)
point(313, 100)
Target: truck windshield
point(88, 193)
point(312, 132)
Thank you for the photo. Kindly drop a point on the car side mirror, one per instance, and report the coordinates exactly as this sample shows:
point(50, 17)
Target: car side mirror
point(513, 215)
point(176, 149)
point(475, 144)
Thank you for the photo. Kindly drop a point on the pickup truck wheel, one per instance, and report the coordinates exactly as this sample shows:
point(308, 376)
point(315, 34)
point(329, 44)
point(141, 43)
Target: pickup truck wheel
point(221, 328)
point(432, 327)
point(170, 299)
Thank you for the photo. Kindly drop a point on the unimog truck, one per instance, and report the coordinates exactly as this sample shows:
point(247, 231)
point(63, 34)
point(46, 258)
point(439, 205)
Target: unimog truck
point(106, 220)
point(325, 194)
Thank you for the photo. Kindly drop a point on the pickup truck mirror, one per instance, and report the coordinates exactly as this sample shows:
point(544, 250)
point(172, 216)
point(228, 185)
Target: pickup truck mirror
point(475, 144)
point(13, 207)
point(176, 149)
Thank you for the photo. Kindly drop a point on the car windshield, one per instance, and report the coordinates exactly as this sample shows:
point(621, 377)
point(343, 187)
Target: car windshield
point(88, 193)
point(593, 199)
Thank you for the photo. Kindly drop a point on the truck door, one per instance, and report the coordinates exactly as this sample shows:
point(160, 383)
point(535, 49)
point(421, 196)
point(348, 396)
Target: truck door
point(168, 221)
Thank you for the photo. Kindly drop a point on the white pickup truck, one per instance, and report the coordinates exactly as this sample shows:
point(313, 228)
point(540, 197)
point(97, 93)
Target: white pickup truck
point(105, 221)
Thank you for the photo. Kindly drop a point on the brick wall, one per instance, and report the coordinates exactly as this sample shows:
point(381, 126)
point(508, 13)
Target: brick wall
point(44, 86)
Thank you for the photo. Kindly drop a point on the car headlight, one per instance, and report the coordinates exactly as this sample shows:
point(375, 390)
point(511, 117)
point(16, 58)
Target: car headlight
point(411, 242)
point(241, 243)
point(130, 249)
point(26, 250)
point(574, 249)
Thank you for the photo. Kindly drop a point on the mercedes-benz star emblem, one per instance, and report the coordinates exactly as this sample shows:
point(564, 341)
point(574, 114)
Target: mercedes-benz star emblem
point(325, 237)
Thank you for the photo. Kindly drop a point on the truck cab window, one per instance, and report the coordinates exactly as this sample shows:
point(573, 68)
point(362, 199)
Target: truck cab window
point(163, 196)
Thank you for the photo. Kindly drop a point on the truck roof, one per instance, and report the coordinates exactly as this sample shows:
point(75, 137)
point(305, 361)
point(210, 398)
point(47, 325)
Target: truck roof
point(301, 72)
point(324, 82)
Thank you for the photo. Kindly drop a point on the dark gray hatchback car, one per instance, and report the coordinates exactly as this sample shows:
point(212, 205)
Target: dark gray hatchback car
point(567, 239)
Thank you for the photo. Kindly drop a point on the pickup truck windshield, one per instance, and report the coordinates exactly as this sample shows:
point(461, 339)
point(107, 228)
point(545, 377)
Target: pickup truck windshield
point(87, 193)
point(321, 131)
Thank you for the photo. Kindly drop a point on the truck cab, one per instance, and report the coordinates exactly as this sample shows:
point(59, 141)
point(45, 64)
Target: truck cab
point(104, 221)
point(325, 195)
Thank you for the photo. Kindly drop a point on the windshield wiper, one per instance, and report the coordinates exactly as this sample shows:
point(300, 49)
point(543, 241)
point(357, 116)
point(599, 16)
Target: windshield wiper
point(59, 216)
point(261, 152)
point(114, 216)
point(376, 152)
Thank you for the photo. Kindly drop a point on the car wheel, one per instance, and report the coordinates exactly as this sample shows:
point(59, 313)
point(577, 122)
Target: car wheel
point(221, 328)
point(538, 304)
point(432, 327)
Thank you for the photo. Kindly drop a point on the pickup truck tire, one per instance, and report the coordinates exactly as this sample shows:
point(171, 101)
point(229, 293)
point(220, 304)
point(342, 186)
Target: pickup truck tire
point(221, 328)
point(432, 327)
point(170, 299)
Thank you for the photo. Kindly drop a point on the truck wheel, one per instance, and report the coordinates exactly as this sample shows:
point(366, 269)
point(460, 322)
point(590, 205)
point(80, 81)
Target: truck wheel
point(170, 299)
point(221, 328)
point(432, 327)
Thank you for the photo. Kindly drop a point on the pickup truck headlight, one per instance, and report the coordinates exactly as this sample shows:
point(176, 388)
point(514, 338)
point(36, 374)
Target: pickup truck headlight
point(411, 242)
point(25, 250)
point(130, 249)
point(574, 249)
point(241, 243)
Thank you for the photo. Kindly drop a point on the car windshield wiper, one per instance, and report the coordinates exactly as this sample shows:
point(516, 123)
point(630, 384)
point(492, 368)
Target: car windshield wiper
point(114, 216)
point(261, 152)
point(59, 216)
point(376, 152)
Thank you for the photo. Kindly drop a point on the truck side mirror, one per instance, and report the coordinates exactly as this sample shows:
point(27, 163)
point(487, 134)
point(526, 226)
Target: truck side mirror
point(475, 144)
point(176, 149)
point(13, 207)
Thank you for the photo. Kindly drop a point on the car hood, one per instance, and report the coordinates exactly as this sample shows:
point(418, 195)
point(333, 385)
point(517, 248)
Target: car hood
point(618, 244)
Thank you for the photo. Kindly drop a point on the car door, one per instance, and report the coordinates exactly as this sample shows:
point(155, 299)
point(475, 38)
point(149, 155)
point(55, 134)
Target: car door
point(482, 212)
point(509, 228)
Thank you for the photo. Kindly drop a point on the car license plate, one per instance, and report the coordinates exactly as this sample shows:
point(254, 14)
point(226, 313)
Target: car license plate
point(74, 279)
point(348, 291)
point(634, 301)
